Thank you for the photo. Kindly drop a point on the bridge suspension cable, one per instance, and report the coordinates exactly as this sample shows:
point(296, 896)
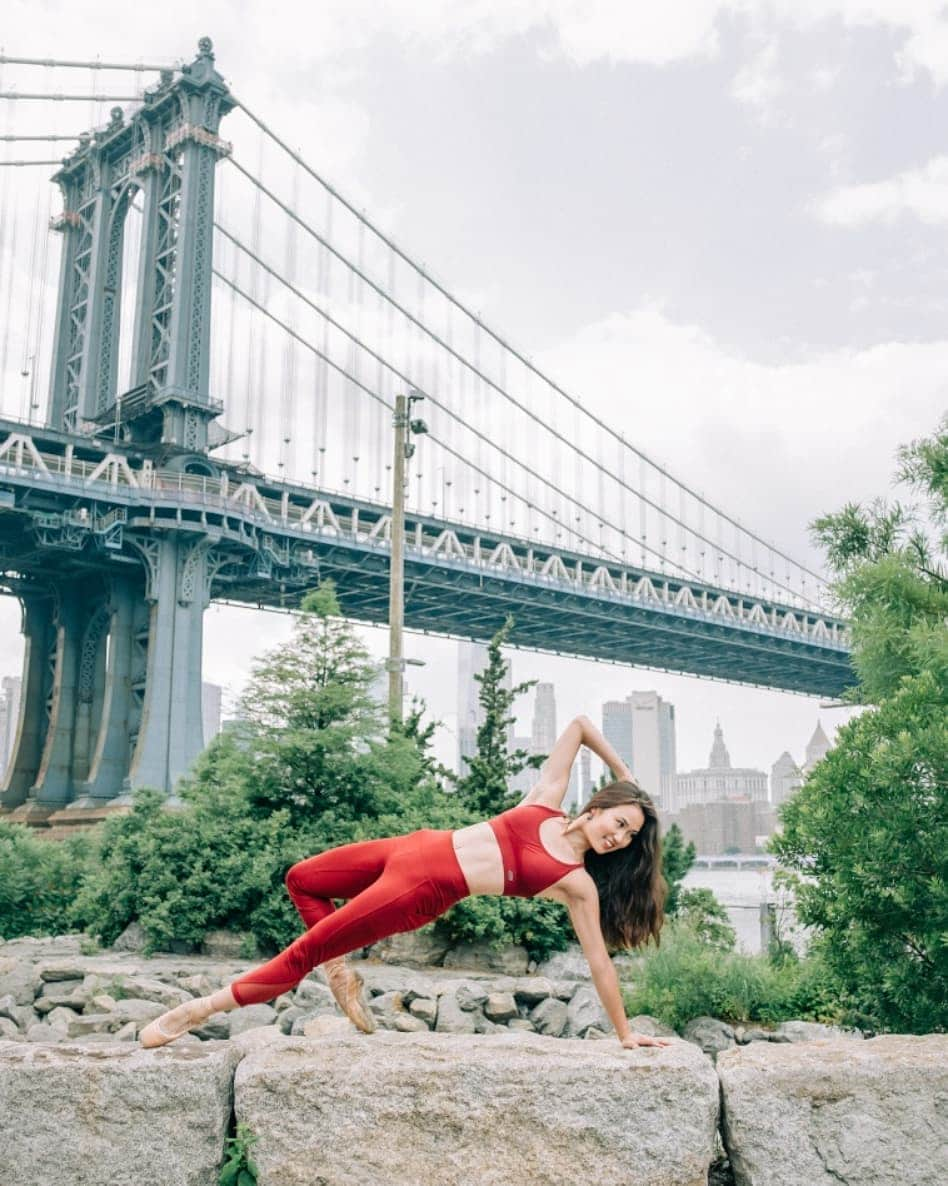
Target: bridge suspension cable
point(505, 345)
point(483, 377)
point(408, 381)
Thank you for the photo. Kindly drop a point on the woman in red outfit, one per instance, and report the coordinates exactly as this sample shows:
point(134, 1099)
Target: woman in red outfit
point(604, 867)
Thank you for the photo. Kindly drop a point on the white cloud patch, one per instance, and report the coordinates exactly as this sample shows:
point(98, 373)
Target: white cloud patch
point(774, 444)
point(921, 193)
point(758, 83)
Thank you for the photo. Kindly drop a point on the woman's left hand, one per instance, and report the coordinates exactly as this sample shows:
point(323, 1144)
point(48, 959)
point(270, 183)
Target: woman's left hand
point(631, 1041)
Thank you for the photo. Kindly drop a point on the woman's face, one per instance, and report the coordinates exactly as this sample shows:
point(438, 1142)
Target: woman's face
point(612, 828)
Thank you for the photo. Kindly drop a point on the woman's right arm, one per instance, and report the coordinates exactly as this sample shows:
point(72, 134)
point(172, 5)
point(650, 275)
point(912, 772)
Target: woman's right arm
point(594, 740)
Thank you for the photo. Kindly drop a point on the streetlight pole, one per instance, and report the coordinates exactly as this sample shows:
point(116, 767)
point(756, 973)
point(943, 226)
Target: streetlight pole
point(396, 588)
point(403, 451)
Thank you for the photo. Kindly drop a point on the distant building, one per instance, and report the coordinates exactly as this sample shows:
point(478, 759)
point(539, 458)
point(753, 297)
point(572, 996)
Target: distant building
point(543, 733)
point(728, 825)
point(527, 778)
point(580, 782)
point(719, 780)
point(472, 659)
point(211, 710)
point(9, 718)
point(816, 748)
point(785, 778)
point(617, 728)
point(641, 729)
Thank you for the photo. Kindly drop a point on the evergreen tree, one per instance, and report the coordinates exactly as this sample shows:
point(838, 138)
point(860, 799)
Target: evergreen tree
point(485, 787)
point(677, 859)
point(866, 837)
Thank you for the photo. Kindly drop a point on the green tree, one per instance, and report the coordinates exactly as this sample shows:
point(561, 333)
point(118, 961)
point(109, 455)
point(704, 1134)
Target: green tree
point(485, 787)
point(677, 859)
point(866, 837)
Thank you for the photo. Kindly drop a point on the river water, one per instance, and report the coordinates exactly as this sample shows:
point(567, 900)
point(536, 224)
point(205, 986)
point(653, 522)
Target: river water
point(741, 891)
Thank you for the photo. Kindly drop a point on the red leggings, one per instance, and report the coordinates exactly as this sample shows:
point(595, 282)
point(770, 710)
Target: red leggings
point(393, 885)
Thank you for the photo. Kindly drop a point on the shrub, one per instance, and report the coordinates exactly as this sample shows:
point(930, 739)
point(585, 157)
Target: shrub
point(687, 978)
point(39, 880)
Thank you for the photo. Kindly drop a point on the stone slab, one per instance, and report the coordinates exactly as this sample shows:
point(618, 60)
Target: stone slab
point(114, 1115)
point(405, 1109)
point(818, 1113)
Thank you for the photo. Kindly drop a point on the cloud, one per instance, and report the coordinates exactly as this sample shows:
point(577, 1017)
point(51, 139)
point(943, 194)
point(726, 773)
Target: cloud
point(921, 193)
point(773, 444)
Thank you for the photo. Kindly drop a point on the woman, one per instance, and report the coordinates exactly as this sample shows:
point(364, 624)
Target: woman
point(604, 867)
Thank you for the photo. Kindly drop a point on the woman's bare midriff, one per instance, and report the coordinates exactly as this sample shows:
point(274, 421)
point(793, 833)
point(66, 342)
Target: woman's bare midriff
point(482, 863)
point(480, 858)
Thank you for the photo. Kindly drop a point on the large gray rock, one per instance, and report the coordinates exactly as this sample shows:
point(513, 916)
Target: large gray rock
point(114, 1115)
point(18, 979)
point(477, 1110)
point(823, 1112)
point(585, 1010)
point(711, 1034)
point(250, 1017)
point(512, 960)
point(452, 1019)
point(500, 1006)
point(412, 949)
point(132, 939)
point(565, 965)
point(808, 1031)
point(550, 1017)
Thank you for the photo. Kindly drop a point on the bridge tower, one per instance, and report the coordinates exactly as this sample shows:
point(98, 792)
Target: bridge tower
point(111, 695)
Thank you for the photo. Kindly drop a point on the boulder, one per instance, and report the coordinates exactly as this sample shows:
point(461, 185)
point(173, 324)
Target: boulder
point(808, 1031)
point(710, 1034)
point(412, 949)
point(407, 981)
point(9, 1030)
point(425, 1009)
point(288, 1016)
point(550, 1017)
point(200, 985)
point(521, 1025)
point(72, 969)
point(530, 990)
point(310, 992)
point(822, 1112)
point(106, 1115)
point(41, 1032)
point(642, 1023)
point(470, 995)
point(585, 1009)
point(565, 965)
point(18, 979)
point(133, 938)
point(20, 1015)
point(512, 960)
point(216, 1028)
point(405, 1023)
point(500, 1006)
point(140, 1012)
point(147, 988)
point(325, 1025)
point(60, 992)
point(477, 1109)
point(251, 1016)
point(229, 945)
point(452, 1019)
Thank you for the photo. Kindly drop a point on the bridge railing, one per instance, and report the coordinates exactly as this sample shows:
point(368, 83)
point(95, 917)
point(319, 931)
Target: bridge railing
point(450, 544)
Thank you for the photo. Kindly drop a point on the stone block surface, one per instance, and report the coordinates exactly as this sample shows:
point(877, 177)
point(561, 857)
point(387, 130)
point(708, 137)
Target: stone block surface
point(490, 1110)
point(111, 1115)
point(817, 1113)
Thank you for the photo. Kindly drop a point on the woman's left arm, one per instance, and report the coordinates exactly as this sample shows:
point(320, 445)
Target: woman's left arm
point(584, 915)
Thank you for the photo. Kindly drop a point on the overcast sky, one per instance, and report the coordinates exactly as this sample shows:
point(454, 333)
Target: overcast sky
point(721, 224)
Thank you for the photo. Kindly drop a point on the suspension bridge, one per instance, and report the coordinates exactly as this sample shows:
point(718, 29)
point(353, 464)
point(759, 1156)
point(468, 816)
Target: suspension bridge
point(200, 349)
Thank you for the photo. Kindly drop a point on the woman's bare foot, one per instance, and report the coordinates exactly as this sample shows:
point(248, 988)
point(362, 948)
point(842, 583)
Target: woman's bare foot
point(181, 1018)
point(346, 986)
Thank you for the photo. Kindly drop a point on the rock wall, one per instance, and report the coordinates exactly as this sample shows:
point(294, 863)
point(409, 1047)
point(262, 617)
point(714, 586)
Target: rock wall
point(472, 1077)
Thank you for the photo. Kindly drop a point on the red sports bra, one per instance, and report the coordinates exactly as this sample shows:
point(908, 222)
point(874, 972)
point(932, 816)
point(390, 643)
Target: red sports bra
point(528, 867)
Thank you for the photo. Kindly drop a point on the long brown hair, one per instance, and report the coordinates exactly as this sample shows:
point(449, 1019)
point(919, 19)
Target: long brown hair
point(630, 883)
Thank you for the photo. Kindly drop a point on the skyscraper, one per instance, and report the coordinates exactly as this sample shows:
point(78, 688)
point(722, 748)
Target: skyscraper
point(9, 718)
point(641, 729)
point(543, 733)
point(472, 659)
point(617, 728)
point(211, 710)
